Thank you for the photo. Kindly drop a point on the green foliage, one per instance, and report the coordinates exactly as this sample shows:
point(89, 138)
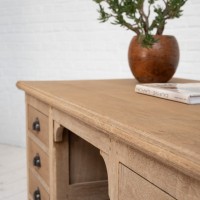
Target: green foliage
point(147, 40)
point(131, 14)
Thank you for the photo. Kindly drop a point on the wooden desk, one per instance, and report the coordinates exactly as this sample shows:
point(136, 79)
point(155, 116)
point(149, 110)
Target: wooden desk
point(88, 139)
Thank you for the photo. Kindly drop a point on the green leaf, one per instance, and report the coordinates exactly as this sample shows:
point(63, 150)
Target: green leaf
point(103, 15)
point(98, 1)
point(147, 41)
point(131, 14)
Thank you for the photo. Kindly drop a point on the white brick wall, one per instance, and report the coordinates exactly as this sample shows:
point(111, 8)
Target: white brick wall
point(62, 39)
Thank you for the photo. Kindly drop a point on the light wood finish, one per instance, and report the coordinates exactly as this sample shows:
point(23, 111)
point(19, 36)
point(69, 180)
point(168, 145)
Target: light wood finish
point(37, 143)
point(86, 164)
point(59, 165)
point(91, 190)
point(38, 105)
point(77, 169)
point(156, 141)
point(171, 180)
point(136, 187)
point(43, 134)
point(85, 131)
point(35, 184)
point(58, 133)
point(43, 170)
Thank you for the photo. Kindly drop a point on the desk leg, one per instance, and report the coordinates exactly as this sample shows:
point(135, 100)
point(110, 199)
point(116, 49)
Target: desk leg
point(106, 160)
point(59, 162)
point(112, 165)
point(114, 171)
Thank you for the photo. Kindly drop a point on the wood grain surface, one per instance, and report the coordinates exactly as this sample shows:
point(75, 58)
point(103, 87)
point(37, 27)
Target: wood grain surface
point(167, 130)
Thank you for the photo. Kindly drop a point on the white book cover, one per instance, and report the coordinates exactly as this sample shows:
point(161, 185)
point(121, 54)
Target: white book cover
point(182, 92)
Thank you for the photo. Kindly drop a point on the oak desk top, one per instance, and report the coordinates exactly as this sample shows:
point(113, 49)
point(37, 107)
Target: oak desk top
point(167, 130)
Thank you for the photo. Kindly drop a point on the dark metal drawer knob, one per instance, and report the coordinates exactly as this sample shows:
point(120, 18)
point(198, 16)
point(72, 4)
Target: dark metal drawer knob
point(37, 161)
point(36, 194)
point(36, 125)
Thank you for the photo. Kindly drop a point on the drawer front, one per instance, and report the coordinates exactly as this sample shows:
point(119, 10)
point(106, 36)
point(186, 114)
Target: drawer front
point(133, 186)
point(36, 189)
point(38, 125)
point(38, 161)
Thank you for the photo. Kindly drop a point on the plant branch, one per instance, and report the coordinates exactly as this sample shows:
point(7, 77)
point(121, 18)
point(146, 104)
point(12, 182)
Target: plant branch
point(144, 18)
point(131, 15)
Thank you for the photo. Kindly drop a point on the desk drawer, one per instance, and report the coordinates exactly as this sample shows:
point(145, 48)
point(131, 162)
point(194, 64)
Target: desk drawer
point(36, 189)
point(38, 125)
point(38, 161)
point(133, 186)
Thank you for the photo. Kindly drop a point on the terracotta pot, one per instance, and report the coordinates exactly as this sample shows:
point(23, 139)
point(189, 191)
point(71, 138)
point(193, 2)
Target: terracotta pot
point(157, 64)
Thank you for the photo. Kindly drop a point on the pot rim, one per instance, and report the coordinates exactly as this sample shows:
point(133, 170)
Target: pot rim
point(156, 35)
